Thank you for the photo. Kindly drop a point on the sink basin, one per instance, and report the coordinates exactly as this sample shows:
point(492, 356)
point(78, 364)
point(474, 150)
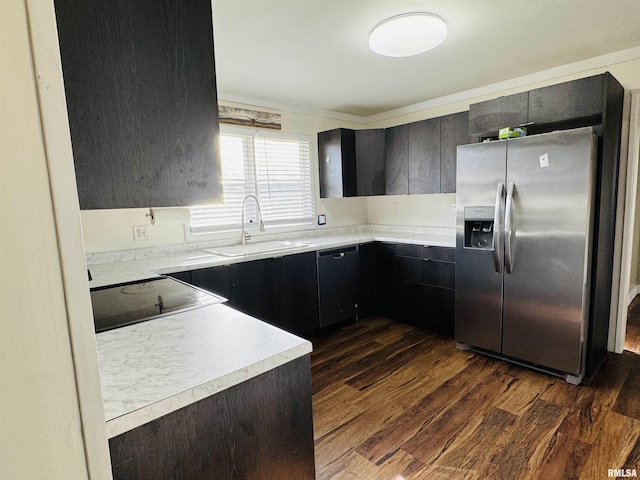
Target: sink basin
point(255, 248)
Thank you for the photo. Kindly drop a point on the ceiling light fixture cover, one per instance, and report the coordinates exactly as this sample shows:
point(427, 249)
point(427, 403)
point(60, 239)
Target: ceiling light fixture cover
point(407, 35)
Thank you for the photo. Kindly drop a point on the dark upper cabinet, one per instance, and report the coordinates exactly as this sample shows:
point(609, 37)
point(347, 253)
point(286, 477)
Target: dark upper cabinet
point(297, 293)
point(140, 84)
point(397, 160)
point(454, 131)
point(337, 163)
point(583, 98)
point(490, 116)
point(370, 162)
point(423, 144)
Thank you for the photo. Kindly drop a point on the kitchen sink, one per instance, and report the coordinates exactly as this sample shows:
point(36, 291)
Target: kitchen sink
point(255, 248)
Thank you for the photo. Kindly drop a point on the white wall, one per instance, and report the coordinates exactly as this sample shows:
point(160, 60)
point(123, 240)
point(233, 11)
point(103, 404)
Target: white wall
point(40, 424)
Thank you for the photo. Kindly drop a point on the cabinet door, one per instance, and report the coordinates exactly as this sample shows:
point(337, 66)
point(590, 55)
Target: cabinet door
point(184, 276)
point(490, 116)
point(385, 253)
point(214, 279)
point(567, 101)
point(337, 285)
point(254, 289)
point(437, 309)
point(424, 156)
point(298, 293)
point(370, 162)
point(141, 97)
point(397, 156)
point(454, 131)
point(337, 163)
point(368, 291)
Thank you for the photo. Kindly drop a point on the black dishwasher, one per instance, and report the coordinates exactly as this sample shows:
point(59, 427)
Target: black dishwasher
point(338, 284)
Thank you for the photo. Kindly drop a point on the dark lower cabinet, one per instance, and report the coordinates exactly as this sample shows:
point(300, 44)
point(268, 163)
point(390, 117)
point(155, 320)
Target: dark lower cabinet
point(254, 289)
point(281, 291)
point(337, 285)
point(214, 279)
point(368, 286)
point(260, 429)
point(184, 276)
point(422, 284)
point(302, 292)
point(297, 293)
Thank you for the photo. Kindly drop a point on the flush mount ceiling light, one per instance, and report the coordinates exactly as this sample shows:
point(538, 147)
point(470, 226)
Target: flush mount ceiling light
point(407, 35)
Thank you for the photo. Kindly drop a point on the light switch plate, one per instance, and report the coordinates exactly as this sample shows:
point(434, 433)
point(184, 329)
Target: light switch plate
point(322, 219)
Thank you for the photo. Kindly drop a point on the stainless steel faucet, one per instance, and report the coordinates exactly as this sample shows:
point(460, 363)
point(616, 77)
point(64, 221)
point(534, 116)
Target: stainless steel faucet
point(244, 236)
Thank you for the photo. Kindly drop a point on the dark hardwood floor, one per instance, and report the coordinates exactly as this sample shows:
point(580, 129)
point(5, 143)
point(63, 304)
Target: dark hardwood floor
point(394, 402)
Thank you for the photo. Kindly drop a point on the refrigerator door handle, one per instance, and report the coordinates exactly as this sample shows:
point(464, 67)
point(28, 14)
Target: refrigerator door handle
point(497, 229)
point(508, 229)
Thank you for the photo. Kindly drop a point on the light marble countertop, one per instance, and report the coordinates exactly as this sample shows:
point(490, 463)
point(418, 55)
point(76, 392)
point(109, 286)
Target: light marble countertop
point(153, 368)
point(109, 273)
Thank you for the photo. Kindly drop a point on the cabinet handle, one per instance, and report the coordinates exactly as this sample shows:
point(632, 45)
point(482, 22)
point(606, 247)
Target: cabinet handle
point(338, 255)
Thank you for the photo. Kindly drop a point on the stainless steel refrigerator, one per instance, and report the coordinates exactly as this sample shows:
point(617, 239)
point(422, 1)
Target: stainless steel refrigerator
point(523, 249)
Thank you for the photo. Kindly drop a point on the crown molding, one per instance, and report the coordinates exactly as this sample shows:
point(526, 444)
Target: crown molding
point(594, 63)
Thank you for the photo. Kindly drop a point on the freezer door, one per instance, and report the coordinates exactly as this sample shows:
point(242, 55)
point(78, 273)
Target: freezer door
point(480, 174)
point(548, 214)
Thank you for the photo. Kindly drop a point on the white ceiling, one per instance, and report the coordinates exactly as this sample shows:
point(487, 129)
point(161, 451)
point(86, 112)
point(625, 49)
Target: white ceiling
point(314, 53)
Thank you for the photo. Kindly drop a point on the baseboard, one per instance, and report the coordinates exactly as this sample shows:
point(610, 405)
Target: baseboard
point(632, 294)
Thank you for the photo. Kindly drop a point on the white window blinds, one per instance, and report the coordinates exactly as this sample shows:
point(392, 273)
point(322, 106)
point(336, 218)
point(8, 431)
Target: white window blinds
point(274, 168)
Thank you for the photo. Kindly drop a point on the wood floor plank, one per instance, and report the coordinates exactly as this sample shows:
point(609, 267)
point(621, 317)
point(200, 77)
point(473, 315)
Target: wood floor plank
point(387, 439)
point(429, 442)
point(529, 435)
point(384, 386)
point(615, 443)
point(564, 458)
point(465, 455)
point(523, 391)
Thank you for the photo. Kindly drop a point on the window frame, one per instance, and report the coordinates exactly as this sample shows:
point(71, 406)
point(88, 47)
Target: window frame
point(200, 233)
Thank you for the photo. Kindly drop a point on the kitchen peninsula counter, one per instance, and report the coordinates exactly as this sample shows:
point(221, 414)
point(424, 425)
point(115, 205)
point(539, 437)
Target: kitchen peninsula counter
point(152, 368)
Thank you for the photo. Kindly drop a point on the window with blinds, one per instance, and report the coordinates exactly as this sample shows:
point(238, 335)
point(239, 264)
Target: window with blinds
point(274, 168)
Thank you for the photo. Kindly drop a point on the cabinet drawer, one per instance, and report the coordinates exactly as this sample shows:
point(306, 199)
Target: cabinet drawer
point(444, 254)
point(438, 274)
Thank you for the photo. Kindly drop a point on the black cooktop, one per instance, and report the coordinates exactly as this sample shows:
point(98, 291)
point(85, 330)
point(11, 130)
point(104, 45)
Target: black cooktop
point(124, 304)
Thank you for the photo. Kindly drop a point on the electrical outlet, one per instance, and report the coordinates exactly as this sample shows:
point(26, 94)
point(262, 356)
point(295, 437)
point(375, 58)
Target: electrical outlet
point(140, 232)
point(454, 208)
point(322, 219)
point(394, 207)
